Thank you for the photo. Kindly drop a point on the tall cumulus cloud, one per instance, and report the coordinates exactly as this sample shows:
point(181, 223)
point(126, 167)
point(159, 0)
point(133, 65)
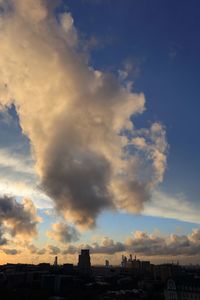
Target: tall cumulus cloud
point(75, 116)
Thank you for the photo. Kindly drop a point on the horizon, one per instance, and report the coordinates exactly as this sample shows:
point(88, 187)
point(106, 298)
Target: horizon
point(117, 265)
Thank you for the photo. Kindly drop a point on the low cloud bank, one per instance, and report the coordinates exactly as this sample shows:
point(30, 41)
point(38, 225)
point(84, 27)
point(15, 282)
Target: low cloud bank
point(140, 243)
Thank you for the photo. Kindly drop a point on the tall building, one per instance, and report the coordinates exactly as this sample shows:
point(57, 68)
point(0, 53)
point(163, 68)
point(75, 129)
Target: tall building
point(56, 261)
point(84, 264)
point(107, 264)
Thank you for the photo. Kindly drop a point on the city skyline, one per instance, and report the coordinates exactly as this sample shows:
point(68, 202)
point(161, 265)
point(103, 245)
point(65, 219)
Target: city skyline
point(99, 143)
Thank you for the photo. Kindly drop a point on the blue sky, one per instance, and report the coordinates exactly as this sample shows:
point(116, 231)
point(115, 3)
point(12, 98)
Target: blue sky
point(155, 45)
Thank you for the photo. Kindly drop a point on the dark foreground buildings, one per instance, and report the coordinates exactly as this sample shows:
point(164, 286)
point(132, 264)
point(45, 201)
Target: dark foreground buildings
point(132, 280)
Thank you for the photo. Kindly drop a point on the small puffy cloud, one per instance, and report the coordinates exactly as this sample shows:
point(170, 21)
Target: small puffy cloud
point(140, 142)
point(53, 250)
point(70, 250)
point(41, 251)
point(50, 212)
point(67, 24)
point(107, 246)
point(35, 250)
point(144, 244)
point(195, 235)
point(11, 251)
point(18, 219)
point(63, 233)
point(130, 68)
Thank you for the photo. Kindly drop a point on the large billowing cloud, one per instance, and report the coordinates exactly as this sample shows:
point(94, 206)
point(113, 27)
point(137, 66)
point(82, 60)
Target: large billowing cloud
point(89, 156)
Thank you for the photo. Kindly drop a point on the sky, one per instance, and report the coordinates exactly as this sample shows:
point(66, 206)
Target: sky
point(99, 143)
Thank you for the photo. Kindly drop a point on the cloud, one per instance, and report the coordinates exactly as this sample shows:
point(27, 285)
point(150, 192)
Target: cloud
point(21, 189)
point(71, 249)
point(53, 250)
point(18, 219)
point(10, 251)
point(173, 245)
point(146, 245)
point(107, 246)
point(174, 207)
point(3, 240)
point(152, 142)
point(67, 25)
point(18, 178)
point(153, 245)
point(76, 118)
point(63, 233)
point(16, 163)
point(130, 69)
point(34, 250)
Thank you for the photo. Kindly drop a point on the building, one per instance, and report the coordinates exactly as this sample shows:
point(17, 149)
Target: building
point(135, 264)
point(68, 268)
point(107, 264)
point(165, 271)
point(55, 261)
point(84, 263)
point(182, 288)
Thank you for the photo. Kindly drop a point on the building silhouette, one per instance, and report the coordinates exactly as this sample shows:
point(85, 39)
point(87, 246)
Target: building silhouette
point(56, 261)
point(84, 263)
point(107, 264)
point(135, 264)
